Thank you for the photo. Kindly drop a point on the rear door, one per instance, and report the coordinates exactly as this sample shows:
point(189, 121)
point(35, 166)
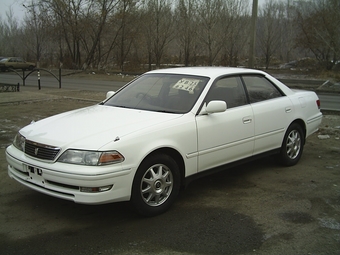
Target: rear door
point(272, 112)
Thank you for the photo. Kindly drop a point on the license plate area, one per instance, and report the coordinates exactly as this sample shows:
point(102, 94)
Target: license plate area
point(35, 175)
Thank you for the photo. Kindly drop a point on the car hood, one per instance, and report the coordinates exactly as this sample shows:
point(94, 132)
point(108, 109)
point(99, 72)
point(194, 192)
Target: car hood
point(93, 127)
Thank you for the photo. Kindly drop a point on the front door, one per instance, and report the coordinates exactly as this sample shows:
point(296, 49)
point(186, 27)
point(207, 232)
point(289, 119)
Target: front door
point(227, 136)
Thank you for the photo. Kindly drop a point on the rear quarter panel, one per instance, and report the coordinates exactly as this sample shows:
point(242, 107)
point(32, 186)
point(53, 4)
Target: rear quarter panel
point(306, 108)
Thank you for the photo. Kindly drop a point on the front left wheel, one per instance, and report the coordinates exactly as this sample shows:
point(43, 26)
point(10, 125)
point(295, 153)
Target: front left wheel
point(156, 185)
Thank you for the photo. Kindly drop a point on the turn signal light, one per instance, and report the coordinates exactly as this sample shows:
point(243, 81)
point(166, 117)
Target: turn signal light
point(110, 157)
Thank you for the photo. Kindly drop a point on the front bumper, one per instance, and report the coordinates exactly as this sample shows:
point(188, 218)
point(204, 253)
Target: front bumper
point(66, 181)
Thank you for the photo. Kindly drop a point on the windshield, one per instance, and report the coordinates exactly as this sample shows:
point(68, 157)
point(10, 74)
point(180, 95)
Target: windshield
point(3, 60)
point(174, 93)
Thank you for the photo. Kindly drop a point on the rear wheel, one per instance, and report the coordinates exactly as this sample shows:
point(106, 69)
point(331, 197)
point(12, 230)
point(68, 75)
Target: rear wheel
point(156, 185)
point(292, 145)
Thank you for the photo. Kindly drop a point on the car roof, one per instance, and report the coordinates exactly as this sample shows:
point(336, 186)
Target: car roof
point(211, 72)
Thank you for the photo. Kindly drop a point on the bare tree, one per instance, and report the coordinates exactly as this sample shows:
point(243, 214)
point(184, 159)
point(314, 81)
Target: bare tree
point(236, 28)
point(10, 32)
point(157, 21)
point(318, 22)
point(128, 29)
point(287, 33)
point(103, 34)
point(36, 26)
point(211, 27)
point(269, 29)
point(98, 13)
point(186, 26)
point(69, 13)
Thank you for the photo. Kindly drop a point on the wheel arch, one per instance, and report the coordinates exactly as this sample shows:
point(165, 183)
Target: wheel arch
point(293, 143)
point(173, 154)
point(302, 124)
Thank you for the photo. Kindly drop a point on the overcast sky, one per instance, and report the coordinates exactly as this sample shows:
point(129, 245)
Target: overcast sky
point(19, 10)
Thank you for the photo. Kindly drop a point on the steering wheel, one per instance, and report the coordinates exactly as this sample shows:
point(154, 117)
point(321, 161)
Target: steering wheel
point(144, 96)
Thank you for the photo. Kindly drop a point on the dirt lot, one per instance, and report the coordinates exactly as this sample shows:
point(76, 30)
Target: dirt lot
point(258, 208)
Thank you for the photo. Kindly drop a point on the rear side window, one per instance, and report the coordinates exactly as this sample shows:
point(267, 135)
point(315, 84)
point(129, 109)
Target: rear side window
point(260, 89)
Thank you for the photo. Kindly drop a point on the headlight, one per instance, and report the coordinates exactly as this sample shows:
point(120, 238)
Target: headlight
point(19, 142)
point(91, 158)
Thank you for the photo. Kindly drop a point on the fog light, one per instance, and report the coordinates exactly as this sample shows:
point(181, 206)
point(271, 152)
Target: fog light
point(95, 189)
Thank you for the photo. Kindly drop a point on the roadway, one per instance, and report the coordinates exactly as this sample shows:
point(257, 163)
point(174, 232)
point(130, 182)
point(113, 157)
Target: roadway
point(67, 83)
point(329, 101)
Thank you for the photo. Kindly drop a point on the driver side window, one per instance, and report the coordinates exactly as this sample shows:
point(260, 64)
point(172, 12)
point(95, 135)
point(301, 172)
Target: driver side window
point(230, 90)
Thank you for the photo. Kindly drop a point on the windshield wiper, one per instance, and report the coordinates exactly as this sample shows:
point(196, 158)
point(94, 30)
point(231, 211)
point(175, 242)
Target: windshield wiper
point(166, 111)
point(123, 106)
point(120, 106)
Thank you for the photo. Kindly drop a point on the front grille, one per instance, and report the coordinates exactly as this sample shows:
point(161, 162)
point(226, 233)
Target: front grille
point(41, 151)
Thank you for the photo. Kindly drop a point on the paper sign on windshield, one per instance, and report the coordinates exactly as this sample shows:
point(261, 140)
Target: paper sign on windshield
point(186, 84)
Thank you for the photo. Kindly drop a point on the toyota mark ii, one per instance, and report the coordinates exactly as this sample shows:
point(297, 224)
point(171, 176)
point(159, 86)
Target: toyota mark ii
point(152, 136)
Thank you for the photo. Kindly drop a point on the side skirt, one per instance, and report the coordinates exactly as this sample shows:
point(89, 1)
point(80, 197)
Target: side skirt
point(193, 177)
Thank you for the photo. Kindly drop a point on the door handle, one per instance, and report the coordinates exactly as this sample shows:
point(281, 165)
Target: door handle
point(288, 109)
point(247, 120)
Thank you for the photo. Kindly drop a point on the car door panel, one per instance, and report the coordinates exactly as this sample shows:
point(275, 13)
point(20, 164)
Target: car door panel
point(225, 137)
point(272, 110)
point(271, 118)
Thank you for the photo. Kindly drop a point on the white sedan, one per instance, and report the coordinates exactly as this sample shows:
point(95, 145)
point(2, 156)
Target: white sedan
point(160, 131)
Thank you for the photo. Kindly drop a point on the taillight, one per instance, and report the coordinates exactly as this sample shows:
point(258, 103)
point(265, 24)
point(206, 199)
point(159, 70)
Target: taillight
point(318, 103)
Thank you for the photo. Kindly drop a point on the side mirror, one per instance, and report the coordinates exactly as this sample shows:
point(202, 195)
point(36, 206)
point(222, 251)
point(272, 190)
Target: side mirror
point(214, 107)
point(109, 94)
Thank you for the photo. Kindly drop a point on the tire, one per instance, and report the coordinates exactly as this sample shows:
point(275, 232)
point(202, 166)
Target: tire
point(292, 145)
point(156, 185)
